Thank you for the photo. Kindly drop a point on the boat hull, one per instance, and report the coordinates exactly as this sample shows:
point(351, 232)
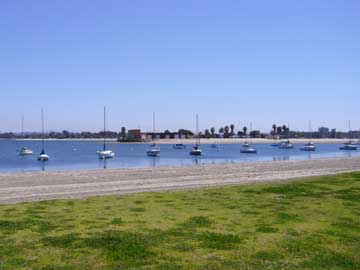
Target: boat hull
point(105, 154)
point(43, 157)
point(153, 153)
point(26, 152)
point(248, 151)
point(196, 152)
point(349, 148)
point(179, 146)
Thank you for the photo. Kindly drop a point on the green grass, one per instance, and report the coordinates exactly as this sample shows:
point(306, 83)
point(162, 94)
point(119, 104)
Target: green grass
point(308, 224)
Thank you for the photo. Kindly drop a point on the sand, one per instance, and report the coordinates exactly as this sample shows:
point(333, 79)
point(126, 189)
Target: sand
point(37, 186)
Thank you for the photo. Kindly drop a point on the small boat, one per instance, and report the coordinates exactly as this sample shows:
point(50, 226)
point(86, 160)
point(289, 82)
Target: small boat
point(153, 151)
point(196, 151)
point(104, 153)
point(286, 145)
point(43, 156)
point(309, 147)
point(246, 147)
point(179, 146)
point(349, 146)
point(23, 151)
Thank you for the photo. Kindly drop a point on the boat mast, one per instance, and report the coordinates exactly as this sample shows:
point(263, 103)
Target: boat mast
point(42, 129)
point(104, 147)
point(310, 130)
point(250, 132)
point(22, 126)
point(154, 135)
point(197, 131)
point(349, 131)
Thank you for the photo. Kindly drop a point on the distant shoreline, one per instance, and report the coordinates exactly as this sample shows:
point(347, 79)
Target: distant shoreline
point(203, 141)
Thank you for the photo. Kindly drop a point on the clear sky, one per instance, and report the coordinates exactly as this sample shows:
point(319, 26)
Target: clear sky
point(279, 61)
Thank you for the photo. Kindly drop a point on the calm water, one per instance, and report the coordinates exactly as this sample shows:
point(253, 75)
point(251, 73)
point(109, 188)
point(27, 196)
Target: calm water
point(76, 155)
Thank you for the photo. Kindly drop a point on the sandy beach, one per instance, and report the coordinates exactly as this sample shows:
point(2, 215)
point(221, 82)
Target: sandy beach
point(35, 186)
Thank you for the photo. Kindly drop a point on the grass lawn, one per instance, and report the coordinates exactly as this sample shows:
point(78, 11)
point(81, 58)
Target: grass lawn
point(307, 224)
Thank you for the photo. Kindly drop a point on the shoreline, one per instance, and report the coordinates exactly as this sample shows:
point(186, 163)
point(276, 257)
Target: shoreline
point(203, 141)
point(39, 186)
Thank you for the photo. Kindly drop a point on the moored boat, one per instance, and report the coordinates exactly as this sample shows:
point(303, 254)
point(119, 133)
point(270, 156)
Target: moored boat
point(310, 146)
point(286, 145)
point(196, 151)
point(24, 151)
point(43, 156)
point(104, 153)
point(153, 151)
point(350, 145)
point(179, 146)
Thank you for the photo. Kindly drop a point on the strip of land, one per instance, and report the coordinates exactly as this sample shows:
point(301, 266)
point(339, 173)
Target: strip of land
point(37, 186)
point(208, 141)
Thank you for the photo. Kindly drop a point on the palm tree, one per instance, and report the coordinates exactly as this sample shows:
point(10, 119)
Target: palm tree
point(245, 130)
point(274, 129)
point(232, 127)
point(123, 130)
point(212, 131)
point(278, 130)
point(221, 130)
point(226, 129)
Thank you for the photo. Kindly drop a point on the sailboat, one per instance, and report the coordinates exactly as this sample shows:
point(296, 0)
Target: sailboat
point(24, 151)
point(43, 156)
point(349, 145)
point(153, 151)
point(196, 151)
point(286, 144)
point(104, 154)
point(246, 148)
point(310, 146)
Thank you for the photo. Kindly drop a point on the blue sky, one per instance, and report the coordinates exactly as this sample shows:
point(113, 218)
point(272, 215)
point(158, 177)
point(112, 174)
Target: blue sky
point(230, 61)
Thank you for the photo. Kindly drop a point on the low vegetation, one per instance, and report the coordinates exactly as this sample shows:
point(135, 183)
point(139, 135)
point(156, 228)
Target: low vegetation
point(307, 224)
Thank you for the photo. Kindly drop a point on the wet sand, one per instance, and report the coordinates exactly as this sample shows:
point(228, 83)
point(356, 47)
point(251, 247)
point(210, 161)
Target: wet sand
point(36, 186)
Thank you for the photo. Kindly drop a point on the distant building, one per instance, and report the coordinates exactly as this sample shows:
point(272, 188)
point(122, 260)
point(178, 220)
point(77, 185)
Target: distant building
point(134, 134)
point(324, 132)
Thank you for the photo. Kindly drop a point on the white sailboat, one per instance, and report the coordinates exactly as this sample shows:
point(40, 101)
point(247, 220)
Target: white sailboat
point(196, 151)
point(310, 146)
point(286, 145)
point(104, 153)
point(153, 151)
point(350, 145)
point(246, 148)
point(24, 151)
point(43, 156)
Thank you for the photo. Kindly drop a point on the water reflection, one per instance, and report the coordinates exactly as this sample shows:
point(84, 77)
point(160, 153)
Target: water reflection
point(42, 163)
point(103, 163)
point(281, 158)
point(196, 160)
point(153, 161)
